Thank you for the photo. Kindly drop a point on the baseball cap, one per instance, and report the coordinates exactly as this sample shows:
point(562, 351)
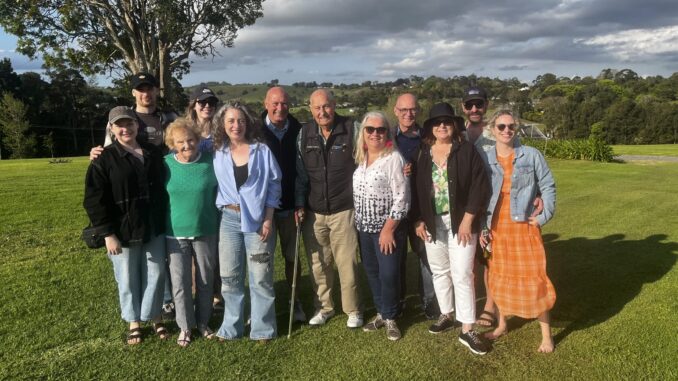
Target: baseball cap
point(474, 92)
point(143, 79)
point(121, 112)
point(201, 93)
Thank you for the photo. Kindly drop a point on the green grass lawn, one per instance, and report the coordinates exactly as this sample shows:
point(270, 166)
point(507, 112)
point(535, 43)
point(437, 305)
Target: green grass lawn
point(650, 149)
point(611, 255)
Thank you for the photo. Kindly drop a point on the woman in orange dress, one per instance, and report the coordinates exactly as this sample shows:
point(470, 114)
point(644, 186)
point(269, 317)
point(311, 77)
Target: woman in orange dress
point(517, 277)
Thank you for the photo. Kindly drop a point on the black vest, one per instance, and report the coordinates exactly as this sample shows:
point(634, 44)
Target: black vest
point(285, 153)
point(329, 166)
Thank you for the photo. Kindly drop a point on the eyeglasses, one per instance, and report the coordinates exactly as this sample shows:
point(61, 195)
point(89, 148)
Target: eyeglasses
point(379, 130)
point(478, 103)
point(207, 102)
point(502, 127)
point(408, 110)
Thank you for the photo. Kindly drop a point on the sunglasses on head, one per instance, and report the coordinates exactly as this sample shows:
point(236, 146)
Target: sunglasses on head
point(379, 130)
point(211, 102)
point(478, 103)
point(502, 126)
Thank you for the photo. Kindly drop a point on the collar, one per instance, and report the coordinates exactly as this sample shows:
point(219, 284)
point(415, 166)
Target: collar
point(416, 132)
point(124, 152)
point(273, 127)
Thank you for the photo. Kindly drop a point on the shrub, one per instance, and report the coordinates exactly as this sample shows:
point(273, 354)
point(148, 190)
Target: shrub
point(592, 149)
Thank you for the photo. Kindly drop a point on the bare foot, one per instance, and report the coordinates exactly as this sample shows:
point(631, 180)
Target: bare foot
point(497, 333)
point(547, 345)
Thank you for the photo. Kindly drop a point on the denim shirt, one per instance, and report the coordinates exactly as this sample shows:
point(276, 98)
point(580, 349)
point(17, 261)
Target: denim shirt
point(530, 175)
point(261, 190)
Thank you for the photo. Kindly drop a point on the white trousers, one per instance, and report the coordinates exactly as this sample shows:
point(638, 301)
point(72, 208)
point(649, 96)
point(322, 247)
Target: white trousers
point(452, 268)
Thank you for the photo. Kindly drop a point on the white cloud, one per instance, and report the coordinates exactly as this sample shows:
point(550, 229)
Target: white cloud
point(637, 43)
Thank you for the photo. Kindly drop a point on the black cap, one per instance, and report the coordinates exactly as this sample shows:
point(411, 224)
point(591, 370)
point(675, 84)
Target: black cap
point(201, 93)
point(474, 92)
point(143, 79)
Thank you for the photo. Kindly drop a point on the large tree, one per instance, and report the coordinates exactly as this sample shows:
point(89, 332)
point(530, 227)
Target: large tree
point(100, 36)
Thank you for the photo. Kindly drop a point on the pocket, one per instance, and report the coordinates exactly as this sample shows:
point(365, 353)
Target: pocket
point(523, 176)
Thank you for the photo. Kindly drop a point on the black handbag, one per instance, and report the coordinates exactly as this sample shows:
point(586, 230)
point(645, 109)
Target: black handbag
point(92, 237)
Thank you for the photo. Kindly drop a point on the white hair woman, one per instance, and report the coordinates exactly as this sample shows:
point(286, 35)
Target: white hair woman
point(191, 227)
point(381, 195)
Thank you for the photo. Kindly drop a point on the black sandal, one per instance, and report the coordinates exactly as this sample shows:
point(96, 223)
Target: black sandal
point(485, 321)
point(133, 334)
point(161, 331)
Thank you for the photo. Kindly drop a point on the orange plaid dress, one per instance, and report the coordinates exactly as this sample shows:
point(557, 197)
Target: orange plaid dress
point(517, 278)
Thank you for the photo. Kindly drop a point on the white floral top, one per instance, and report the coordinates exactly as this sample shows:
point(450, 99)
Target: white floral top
point(380, 191)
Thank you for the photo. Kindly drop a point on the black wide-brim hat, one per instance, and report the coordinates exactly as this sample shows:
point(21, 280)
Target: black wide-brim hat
point(443, 110)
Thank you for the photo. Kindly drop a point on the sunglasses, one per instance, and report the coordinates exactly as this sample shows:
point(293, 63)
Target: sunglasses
point(469, 105)
point(206, 102)
point(443, 121)
point(379, 130)
point(502, 127)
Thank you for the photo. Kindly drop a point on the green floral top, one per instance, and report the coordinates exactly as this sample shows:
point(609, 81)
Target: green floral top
point(441, 196)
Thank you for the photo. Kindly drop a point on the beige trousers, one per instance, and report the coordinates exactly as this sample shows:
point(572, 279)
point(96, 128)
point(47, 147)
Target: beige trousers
point(332, 239)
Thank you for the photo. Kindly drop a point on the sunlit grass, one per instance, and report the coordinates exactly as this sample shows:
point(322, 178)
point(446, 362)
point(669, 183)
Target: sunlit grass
point(611, 254)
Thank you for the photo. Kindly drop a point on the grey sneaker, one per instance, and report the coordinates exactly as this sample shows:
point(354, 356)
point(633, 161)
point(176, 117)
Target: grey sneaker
point(375, 324)
point(168, 311)
point(443, 324)
point(392, 331)
point(473, 341)
point(355, 320)
point(320, 318)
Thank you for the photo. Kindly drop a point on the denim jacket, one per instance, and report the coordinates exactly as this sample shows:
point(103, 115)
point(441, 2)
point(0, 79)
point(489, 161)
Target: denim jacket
point(531, 175)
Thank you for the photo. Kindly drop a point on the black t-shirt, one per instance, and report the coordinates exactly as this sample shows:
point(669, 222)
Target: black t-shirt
point(240, 173)
point(150, 128)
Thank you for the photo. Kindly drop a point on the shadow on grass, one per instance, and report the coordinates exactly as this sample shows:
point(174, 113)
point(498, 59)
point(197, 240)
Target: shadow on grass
point(596, 278)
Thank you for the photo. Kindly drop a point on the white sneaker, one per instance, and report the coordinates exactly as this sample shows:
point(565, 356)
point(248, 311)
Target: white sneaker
point(355, 320)
point(320, 318)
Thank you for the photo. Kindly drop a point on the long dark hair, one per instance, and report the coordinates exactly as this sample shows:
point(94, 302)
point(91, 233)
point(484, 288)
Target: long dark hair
point(252, 128)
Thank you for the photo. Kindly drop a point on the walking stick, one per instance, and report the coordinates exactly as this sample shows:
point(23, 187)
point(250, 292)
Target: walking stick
point(294, 280)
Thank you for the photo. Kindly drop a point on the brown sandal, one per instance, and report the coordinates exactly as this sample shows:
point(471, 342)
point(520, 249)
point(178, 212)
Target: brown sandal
point(184, 339)
point(133, 334)
point(490, 321)
point(161, 331)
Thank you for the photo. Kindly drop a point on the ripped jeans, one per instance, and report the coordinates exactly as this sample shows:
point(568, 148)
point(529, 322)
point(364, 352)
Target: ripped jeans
point(240, 252)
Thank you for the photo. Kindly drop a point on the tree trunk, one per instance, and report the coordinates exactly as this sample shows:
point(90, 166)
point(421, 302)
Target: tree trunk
point(165, 76)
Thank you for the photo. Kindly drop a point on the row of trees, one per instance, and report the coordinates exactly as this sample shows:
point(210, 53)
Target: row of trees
point(63, 114)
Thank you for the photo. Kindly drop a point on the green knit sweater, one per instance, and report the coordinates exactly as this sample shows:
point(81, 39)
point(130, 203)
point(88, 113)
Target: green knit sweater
point(192, 190)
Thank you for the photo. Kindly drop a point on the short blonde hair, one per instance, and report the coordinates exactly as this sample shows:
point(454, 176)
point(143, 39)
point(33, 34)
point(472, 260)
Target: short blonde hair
point(181, 124)
point(360, 146)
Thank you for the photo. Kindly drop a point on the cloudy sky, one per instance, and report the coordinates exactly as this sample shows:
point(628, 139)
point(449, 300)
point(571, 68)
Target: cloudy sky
point(357, 40)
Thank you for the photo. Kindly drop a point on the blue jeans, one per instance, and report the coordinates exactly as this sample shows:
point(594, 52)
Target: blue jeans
point(140, 274)
point(237, 249)
point(383, 271)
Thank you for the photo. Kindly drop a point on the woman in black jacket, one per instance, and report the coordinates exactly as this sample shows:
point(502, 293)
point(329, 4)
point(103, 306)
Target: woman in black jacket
point(451, 189)
point(126, 201)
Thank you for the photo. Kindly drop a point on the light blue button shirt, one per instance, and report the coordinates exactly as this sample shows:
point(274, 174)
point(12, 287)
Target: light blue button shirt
point(261, 190)
point(278, 132)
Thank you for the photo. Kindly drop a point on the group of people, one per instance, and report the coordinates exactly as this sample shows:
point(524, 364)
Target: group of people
point(209, 211)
